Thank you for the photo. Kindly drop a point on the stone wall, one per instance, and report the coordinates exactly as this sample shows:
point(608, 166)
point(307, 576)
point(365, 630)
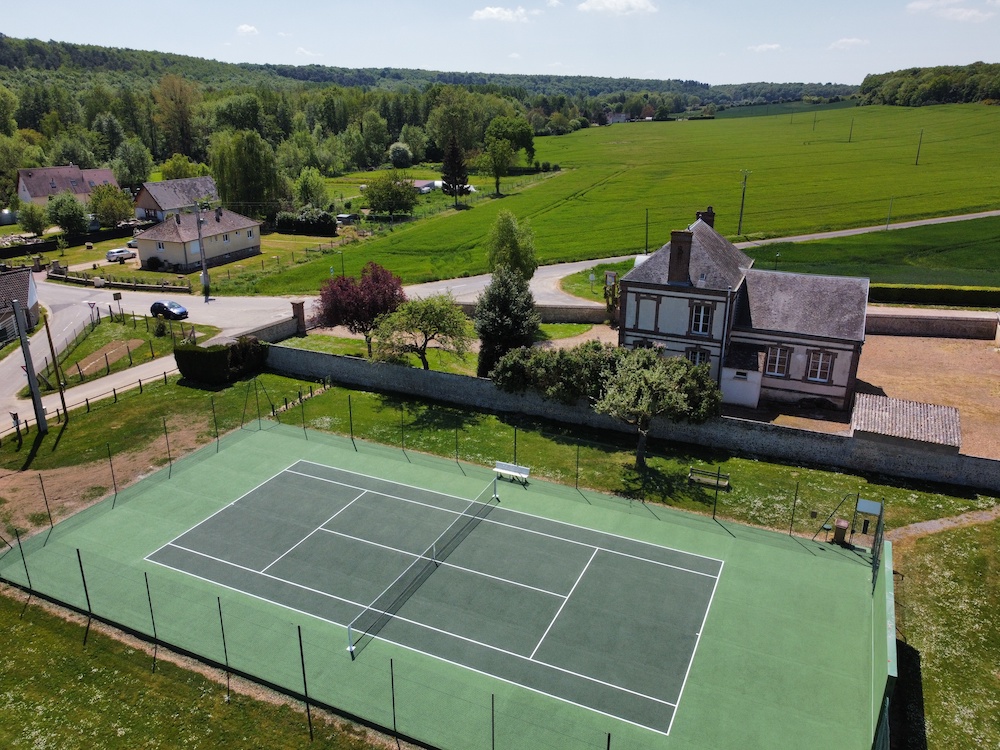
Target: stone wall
point(737, 435)
point(970, 325)
point(277, 331)
point(592, 314)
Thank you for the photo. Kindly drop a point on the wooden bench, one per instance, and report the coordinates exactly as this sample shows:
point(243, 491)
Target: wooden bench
point(708, 478)
point(515, 472)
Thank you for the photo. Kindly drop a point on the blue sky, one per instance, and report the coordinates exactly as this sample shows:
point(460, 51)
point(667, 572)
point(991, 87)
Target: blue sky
point(713, 41)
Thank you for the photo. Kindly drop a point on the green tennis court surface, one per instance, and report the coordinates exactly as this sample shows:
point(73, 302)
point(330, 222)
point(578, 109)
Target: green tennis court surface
point(554, 619)
point(597, 620)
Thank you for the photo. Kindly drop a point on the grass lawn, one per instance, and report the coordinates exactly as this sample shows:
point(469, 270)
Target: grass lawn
point(54, 692)
point(961, 253)
point(947, 607)
point(137, 334)
point(838, 169)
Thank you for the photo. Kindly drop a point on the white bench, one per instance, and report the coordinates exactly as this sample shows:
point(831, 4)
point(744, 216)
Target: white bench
point(515, 472)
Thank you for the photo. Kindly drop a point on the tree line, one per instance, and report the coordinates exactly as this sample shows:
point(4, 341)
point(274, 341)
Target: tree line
point(945, 84)
point(66, 103)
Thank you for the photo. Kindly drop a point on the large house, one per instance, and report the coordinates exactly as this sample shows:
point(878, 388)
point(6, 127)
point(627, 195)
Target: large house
point(39, 184)
point(173, 244)
point(768, 335)
point(156, 200)
point(18, 285)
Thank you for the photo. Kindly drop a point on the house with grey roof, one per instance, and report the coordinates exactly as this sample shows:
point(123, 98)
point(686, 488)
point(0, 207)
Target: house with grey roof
point(157, 199)
point(173, 244)
point(18, 285)
point(40, 184)
point(766, 335)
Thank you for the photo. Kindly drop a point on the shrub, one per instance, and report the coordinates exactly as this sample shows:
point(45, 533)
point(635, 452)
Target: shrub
point(154, 264)
point(546, 166)
point(307, 221)
point(221, 363)
point(564, 375)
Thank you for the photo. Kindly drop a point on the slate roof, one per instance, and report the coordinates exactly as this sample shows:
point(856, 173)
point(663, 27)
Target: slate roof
point(187, 230)
point(45, 181)
point(910, 420)
point(14, 285)
point(716, 263)
point(171, 195)
point(807, 304)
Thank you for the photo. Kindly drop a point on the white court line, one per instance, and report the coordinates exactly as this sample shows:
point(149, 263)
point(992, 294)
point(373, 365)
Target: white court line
point(445, 564)
point(209, 518)
point(425, 626)
point(697, 640)
point(509, 510)
point(458, 665)
point(318, 528)
point(559, 611)
point(521, 528)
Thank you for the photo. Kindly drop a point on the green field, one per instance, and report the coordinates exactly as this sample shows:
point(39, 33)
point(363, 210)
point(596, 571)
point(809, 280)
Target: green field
point(961, 253)
point(837, 172)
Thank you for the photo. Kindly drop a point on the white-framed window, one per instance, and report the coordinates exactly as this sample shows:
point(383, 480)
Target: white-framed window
point(225, 238)
point(819, 367)
point(700, 319)
point(249, 233)
point(778, 358)
point(697, 356)
point(159, 247)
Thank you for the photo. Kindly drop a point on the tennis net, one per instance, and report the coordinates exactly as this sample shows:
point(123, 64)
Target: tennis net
point(363, 628)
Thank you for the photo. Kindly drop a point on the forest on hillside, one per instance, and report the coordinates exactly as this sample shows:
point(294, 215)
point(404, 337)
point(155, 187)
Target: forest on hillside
point(947, 84)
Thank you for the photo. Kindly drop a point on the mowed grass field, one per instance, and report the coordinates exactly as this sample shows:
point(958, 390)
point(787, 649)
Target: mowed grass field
point(828, 169)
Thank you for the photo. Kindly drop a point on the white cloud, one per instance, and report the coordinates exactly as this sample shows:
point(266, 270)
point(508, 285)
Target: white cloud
point(285, 34)
point(306, 53)
point(514, 55)
point(245, 29)
point(764, 47)
point(952, 10)
point(617, 7)
point(848, 43)
point(510, 15)
point(556, 3)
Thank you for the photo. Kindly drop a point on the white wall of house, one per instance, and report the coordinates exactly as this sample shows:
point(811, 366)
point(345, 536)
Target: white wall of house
point(740, 387)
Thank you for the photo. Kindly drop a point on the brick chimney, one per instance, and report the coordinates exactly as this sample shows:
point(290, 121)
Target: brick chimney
point(679, 271)
point(707, 216)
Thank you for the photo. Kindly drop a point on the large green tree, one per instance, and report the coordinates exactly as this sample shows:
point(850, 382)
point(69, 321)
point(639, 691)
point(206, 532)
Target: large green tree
point(68, 213)
point(515, 130)
point(179, 166)
point(454, 174)
point(8, 107)
point(512, 245)
point(647, 385)
point(176, 102)
point(505, 318)
point(32, 219)
point(391, 192)
point(310, 189)
point(132, 164)
point(246, 172)
point(111, 205)
point(496, 159)
point(418, 323)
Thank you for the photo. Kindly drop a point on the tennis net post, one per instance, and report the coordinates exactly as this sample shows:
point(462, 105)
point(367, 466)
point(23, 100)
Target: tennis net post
point(385, 606)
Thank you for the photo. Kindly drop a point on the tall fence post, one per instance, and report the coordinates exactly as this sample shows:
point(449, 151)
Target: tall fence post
point(225, 650)
point(152, 619)
point(350, 420)
point(86, 595)
point(305, 686)
point(24, 562)
point(114, 481)
point(215, 422)
point(170, 463)
point(46, 499)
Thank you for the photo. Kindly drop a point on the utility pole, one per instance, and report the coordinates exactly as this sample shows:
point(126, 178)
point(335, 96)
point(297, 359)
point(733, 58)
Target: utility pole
point(646, 251)
point(743, 198)
point(201, 246)
point(29, 367)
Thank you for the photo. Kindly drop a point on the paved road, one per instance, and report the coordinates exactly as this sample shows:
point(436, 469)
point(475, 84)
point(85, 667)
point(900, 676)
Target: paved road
point(69, 310)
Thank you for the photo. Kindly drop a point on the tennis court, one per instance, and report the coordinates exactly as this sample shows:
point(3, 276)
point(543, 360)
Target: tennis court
point(597, 620)
point(556, 618)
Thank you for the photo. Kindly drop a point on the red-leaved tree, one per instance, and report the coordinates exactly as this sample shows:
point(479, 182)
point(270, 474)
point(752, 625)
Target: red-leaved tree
point(357, 304)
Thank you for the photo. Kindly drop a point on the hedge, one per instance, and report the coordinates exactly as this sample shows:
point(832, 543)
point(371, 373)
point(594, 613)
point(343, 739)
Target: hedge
point(952, 296)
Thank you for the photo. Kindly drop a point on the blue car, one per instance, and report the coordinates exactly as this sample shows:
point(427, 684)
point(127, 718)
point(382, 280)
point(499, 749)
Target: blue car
point(168, 310)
